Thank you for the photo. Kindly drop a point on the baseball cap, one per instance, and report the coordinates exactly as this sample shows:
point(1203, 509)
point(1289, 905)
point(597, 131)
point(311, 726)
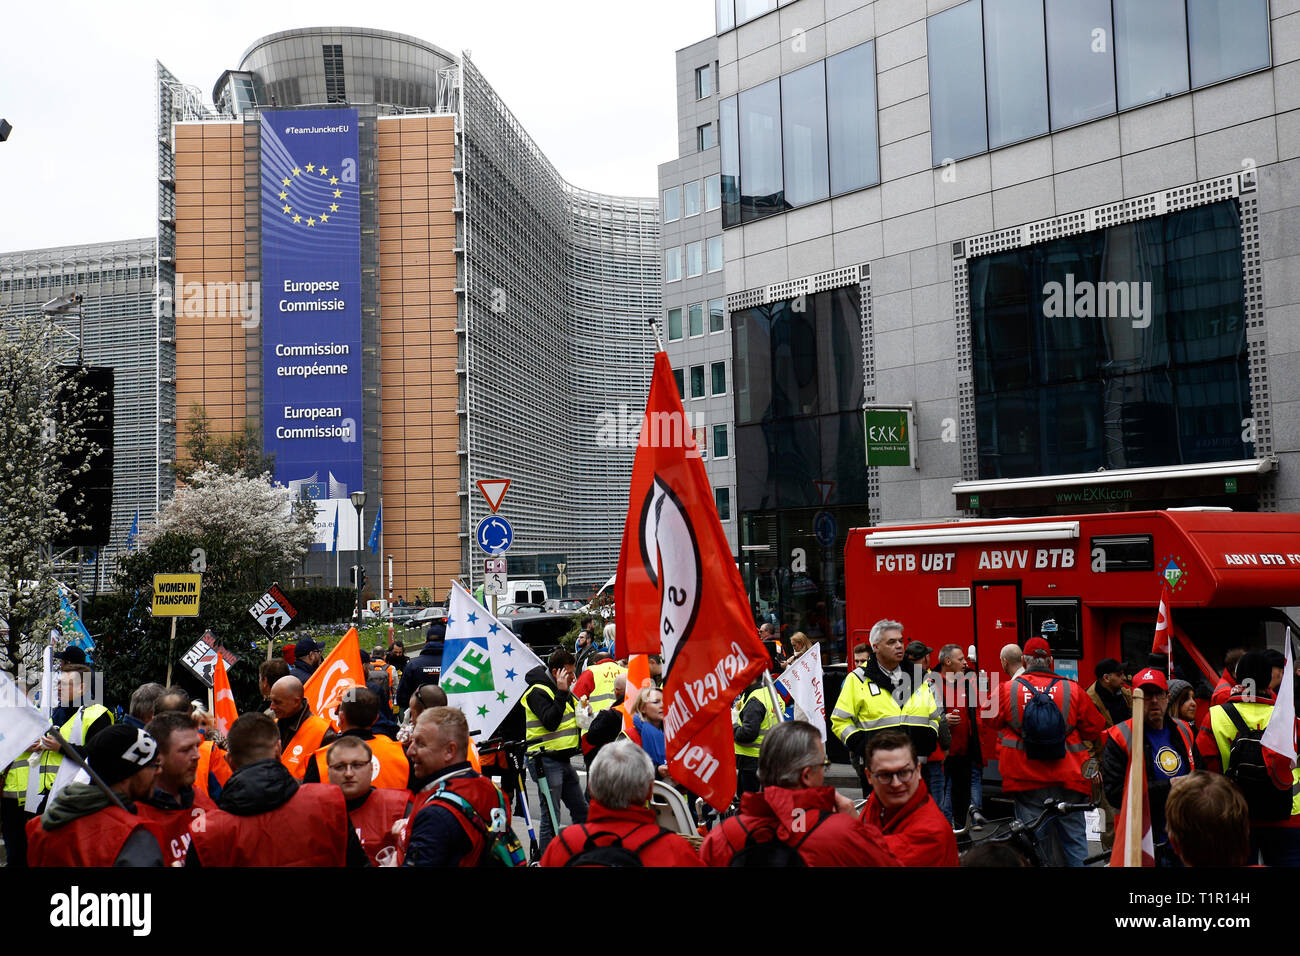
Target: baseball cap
point(916, 649)
point(1037, 647)
point(1150, 677)
point(1107, 666)
point(120, 751)
point(306, 645)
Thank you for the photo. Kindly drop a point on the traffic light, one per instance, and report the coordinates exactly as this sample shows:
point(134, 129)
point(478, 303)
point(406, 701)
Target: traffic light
point(362, 585)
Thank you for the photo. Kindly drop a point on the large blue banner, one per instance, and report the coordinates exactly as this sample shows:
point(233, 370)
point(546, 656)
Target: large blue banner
point(311, 302)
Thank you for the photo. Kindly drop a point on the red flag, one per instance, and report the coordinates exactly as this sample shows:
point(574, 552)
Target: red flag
point(223, 699)
point(638, 673)
point(338, 672)
point(1119, 855)
point(1164, 629)
point(679, 594)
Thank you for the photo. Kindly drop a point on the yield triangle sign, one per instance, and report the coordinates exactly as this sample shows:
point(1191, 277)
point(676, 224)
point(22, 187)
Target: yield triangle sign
point(494, 489)
point(825, 488)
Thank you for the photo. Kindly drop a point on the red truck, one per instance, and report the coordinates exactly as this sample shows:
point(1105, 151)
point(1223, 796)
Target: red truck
point(989, 583)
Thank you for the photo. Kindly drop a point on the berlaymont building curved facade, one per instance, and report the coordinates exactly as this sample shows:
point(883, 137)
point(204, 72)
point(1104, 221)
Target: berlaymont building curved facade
point(364, 254)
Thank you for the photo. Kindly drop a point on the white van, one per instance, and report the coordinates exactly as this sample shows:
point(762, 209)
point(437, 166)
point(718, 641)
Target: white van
point(524, 592)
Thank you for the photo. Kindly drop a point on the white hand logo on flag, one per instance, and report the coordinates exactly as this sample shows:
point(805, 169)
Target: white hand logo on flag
point(674, 568)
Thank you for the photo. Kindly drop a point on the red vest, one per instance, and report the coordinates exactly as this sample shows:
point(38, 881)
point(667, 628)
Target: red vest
point(93, 840)
point(1122, 734)
point(171, 828)
point(480, 792)
point(310, 829)
point(374, 820)
point(394, 769)
point(212, 760)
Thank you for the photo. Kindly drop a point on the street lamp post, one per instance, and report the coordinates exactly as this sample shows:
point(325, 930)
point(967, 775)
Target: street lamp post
point(358, 502)
point(390, 600)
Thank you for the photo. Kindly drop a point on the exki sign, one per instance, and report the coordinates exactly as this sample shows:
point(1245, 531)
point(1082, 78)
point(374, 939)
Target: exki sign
point(889, 436)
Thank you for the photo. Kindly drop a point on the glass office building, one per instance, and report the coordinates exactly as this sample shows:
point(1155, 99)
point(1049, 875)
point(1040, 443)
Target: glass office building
point(1055, 230)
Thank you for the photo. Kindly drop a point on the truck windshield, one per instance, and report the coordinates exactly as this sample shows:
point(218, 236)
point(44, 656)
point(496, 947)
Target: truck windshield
point(1214, 631)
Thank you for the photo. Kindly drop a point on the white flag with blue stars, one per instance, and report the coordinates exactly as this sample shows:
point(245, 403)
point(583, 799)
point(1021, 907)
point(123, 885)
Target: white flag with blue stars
point(483, 664)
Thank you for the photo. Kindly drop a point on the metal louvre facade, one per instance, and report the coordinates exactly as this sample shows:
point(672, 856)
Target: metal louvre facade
point(117, 280)
point(559, 288)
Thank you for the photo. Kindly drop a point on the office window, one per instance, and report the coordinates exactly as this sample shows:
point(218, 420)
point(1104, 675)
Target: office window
point(704, 82)
point(1227, 38)
point(1015, 64)
point(712, 193)
point(761, 183)
point(674, 324)
point(673, 264)
point(747, 10)
point(956, 60)
point(1150, 50)
point(722, 497)
point(697, 381)
point(691, 193)
point(729, 178)
point(719, 371)
point(696, 312)
point(705, 137)
point(681, 388)
point(694, 259)
point(725, 14)
point(714, 251)
point(1080, 62)
point(851, 119)
point(803, 134)
point(720, 441)
point(672, 204)
point(717, 311)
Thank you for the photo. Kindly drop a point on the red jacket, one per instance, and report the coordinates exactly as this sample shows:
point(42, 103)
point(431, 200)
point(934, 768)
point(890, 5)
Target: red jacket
point(666, 850)
point(917, 833)
point(479, 792)
point(374, 818)
point(309, 829)
point(171, 827)
point(1222, 690)
point(93, 840)
point(1083, 722)
point(839, 839)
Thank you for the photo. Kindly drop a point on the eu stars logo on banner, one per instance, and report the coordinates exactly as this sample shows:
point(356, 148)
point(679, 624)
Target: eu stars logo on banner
point(484, 665)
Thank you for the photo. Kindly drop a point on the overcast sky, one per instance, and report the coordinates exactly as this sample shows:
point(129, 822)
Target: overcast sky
point(592, 81)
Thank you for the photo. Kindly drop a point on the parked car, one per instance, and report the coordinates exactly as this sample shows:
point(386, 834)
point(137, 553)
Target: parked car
point(516, 609)
point(539, 630)
point(563, 605)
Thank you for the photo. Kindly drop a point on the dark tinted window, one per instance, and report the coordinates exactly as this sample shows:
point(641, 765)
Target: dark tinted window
point(1128, 552)
point(729, 129)
point(761, 179)
point(1227, 38)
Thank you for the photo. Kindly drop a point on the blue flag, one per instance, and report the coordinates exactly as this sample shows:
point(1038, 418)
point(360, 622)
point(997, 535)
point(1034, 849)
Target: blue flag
point(72, 626)
point(378, 526)
point(336, 527)
point(134, 532)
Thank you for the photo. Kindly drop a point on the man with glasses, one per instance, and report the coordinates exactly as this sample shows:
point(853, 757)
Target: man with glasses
point(915, 829)
point(1169, 755)
point(350, 763)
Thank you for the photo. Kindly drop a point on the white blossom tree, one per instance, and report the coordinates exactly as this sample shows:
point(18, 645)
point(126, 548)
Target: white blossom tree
point(44, 411)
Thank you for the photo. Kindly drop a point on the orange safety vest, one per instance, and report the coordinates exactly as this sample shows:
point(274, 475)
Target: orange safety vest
point(304, 743)
point(212, 760)
point(391, 769)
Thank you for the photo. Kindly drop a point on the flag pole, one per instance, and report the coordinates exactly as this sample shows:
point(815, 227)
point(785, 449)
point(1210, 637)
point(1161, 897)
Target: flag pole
point(659, 342)
point(1136, 776)
point(777, 707)
point(71, 753)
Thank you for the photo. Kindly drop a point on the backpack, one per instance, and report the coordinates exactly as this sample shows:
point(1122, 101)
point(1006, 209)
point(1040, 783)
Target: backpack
point(613, 853)
point(1247, 769)
point(771, 852)
point(500, 848)
point(1042, 725)
point(379, 673)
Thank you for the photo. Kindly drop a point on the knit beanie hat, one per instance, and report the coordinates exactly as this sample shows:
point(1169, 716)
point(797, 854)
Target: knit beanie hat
point(120, 751)
point(1176, 687)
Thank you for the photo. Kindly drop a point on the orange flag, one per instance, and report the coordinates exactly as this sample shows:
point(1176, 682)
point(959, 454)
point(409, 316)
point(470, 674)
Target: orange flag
point(338, 672)
point(679, 594)
point(473, 757)
point(223, 699)
point(638, 672)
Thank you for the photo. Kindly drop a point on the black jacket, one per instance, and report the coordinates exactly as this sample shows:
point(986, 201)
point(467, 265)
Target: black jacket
point(549, 710)
point(301, 671)
point(423, 669)
point(261, 787)
point(1114, 770)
